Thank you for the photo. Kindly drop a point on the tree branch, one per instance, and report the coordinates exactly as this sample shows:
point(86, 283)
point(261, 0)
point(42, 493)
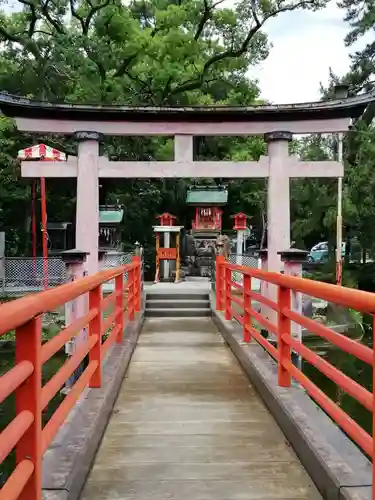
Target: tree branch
point(230, 53)
point(76, 15)
point(122, 69)
point(55, 23)
point(206, 16)
point(33, 17)
point(125, 65)
point(27, 43)
point(90, 15)
point(85, 25)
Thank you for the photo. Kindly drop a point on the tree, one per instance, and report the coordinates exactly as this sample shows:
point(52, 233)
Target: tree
point(144, 52)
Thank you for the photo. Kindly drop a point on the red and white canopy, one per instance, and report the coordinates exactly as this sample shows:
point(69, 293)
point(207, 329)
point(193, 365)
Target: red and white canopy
point(41, 152)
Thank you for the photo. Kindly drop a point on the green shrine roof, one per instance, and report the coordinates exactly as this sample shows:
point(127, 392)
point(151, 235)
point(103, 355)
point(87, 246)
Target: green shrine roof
point(207, 196)
point(110, 216)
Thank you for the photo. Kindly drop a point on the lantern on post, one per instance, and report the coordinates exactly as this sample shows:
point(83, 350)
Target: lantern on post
point(239, 225)
point(166, 219)
point(168, 252)
point(40, 152)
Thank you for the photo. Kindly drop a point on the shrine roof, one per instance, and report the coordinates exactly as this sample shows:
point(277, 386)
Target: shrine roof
point(18, 106)
point(210, 197)
point(110, 216)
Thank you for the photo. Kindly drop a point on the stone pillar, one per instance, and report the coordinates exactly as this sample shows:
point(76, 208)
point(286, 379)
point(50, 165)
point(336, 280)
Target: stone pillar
point(238, 278)
point(101, 259)
point(240, 240)
point(75, 264)
point(293, 260)
point(138, 251)
point(87, 208)
point(2, 261)
point(264, 310)
point(278, 208)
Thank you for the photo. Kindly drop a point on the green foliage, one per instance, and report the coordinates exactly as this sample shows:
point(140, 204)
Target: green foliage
point(140, 52)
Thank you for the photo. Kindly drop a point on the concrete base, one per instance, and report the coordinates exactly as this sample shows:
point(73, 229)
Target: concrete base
point(68, 461)
point(337, 467)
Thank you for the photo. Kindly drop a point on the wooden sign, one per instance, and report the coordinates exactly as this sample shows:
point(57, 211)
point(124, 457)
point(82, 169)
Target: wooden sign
point(167, 254)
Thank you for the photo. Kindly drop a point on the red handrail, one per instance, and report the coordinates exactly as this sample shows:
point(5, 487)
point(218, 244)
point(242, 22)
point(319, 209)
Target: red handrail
point(354, 299)
point(25, 432)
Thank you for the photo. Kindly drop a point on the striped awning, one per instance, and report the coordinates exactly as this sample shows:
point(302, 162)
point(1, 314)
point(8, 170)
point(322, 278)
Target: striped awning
point(41, 152)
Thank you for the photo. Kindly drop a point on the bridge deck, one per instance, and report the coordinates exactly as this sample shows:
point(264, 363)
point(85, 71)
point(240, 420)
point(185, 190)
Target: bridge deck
point(188, 426)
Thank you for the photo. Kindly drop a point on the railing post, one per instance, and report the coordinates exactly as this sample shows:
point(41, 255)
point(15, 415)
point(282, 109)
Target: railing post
point(228, 290)
point(284, 330)
point(293, 260)
point(119, 304)
point(75, 267)
point(28, 398)
point(220, 282)
point(95, 328)
point(131, 295)
point(373, 409)
point(137, 282)
point(246, 308)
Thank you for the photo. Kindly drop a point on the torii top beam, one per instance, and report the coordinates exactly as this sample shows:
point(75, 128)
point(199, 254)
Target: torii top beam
point(313, 117)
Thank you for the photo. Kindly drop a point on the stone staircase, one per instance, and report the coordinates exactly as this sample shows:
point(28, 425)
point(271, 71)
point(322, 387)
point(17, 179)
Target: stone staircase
point(177, 305)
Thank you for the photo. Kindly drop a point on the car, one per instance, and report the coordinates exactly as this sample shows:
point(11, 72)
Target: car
point(319, 252)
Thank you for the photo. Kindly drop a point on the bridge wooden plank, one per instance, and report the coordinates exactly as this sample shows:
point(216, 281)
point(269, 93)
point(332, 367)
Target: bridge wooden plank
point(188, 426)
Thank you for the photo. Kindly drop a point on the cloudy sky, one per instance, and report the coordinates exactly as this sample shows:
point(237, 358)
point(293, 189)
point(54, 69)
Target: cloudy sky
point(305, 46)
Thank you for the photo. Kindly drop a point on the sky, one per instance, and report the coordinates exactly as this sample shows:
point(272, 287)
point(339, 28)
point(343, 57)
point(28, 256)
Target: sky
point(305, 45)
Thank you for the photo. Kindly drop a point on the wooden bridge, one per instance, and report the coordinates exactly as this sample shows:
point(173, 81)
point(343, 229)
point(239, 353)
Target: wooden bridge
point(182, 397)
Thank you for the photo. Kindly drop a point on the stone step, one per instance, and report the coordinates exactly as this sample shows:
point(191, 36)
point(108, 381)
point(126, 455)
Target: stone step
point(177, 313)
point(177, 296)
point(177, 304)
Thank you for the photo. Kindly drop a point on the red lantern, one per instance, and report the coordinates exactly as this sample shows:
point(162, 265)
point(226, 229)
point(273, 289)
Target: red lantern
point(240, 221)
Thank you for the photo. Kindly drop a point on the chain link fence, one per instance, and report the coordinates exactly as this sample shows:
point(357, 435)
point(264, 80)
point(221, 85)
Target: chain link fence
point(22, 275)
point(242, 260)
point(114, 260)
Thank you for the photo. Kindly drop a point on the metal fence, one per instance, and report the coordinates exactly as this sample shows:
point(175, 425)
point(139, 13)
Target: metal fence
point(22, 275)
point(242, 260)
point(114, 260)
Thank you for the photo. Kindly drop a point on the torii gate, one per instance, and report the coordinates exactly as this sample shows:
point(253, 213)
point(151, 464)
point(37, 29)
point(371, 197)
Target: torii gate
point(87, 124)
point(278, 167)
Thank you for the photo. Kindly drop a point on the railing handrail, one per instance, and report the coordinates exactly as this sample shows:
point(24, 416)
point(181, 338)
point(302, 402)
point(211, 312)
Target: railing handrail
point(93, 332)
point(280, 313)
point(16, 313)
point(348, 297)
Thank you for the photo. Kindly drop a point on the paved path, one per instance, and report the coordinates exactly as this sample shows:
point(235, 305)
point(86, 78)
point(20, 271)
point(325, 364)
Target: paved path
point(188, 426)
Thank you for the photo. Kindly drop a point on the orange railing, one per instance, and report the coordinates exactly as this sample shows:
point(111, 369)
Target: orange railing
point(25, 432)
point(244, 313)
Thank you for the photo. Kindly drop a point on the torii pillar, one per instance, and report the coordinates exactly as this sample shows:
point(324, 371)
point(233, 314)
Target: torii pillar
point(278, 198)
point(87, 205)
